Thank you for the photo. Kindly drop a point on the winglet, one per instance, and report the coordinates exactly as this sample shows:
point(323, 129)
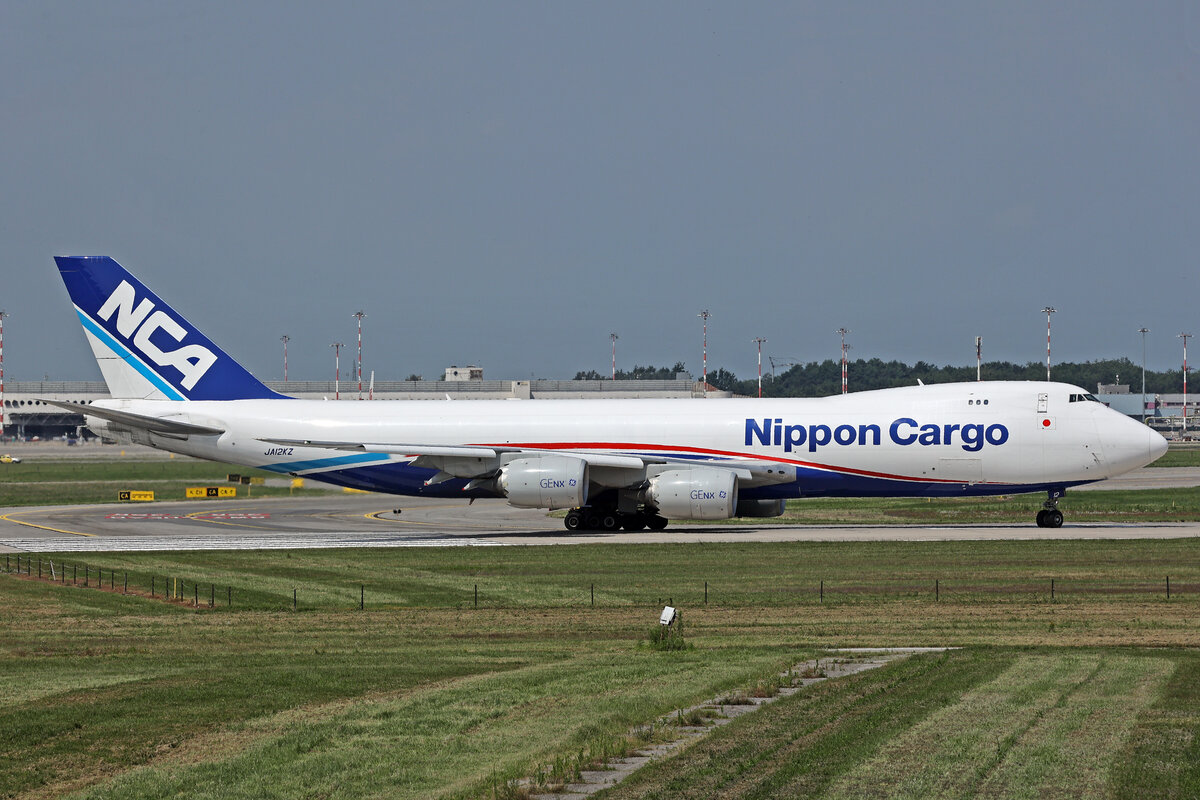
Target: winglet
point(144, 347)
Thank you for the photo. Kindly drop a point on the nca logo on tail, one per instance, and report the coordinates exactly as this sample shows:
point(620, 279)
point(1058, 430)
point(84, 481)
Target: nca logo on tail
point(138, 324)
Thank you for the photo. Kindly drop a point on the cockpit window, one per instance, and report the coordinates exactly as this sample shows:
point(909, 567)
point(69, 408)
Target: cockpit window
point(1084, 398)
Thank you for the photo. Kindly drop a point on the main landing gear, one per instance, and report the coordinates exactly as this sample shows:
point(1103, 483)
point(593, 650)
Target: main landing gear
point(1050, 516)
point(602, 519)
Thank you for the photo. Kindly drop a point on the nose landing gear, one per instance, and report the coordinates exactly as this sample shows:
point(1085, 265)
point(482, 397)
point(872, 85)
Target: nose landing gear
point(1050, 516)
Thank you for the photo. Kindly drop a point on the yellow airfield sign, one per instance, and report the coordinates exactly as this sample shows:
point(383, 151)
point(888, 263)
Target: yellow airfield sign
point(202, 492)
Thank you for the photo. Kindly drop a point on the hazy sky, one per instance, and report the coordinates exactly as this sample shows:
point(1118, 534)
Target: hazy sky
point(507, 183)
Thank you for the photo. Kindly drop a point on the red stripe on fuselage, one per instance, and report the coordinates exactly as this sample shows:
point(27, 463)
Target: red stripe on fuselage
point(625, 447)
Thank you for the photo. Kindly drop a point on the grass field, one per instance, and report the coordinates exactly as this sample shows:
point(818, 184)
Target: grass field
point(1093, 693)
point(1149, 505)
point(70, 482)
point(1180, 455)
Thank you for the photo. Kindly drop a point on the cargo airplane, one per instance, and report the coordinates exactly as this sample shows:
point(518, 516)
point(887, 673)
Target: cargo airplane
point(612, 464)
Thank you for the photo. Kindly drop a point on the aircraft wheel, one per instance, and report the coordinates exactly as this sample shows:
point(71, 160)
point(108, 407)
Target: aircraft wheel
point(1041, 518)
point(1054, 519)
point(591, 521)
point(656, 522)
point(573, 521)
point(609, 522)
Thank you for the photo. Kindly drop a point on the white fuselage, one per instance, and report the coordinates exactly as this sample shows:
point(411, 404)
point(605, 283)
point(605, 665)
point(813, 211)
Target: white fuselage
point(950, 439)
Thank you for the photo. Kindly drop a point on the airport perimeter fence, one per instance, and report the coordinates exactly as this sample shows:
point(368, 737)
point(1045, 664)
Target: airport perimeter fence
point(322, 595)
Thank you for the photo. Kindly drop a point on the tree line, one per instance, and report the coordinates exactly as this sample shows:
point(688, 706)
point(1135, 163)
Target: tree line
point(820, 378)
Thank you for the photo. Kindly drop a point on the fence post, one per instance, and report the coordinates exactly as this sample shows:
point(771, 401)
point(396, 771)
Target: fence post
point(477, 595)
point(937, 590)
point(362, 596)
point(39, 569)
point(822, 591)
point(229, 596)
point(1052, 588)
point(293, 598)
point(593, 595)
point(152, 579)
point(196, 595)
point(125, 589)
point(706, 593)
point(1168, 587)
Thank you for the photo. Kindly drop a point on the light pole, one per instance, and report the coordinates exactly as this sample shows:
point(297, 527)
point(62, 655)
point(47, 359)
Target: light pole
point(759, 341)
point(3, 314)
point(1048, 310)
point(978, 359)
point(285, 339)
point(1143, 332)
point(359, 316)
point(843, 332)
point(614, 338)
point(705, 315)
point(337, 367)
point(1185, 337)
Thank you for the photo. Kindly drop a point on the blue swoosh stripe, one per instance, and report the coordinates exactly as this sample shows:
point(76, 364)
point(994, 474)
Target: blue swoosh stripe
point(325, 463)
point(126, 355)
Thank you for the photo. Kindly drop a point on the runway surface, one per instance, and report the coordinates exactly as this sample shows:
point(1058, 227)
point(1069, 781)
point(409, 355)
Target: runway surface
point(369, 520)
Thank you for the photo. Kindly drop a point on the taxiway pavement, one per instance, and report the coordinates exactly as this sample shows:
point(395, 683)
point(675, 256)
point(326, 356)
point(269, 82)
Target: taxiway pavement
point(370, 520)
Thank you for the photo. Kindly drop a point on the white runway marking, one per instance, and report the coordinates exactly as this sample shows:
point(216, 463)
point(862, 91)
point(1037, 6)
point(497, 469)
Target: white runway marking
point(283, 541)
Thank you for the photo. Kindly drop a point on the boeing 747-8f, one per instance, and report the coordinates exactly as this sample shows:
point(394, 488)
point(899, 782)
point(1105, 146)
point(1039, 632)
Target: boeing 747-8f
point(613, 463)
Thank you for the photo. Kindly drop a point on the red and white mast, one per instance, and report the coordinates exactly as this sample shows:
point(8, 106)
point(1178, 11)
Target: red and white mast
point(759, 341)
point(359, 316)
point(3, 314)
point(705, 315)
point(1185, 337)
point(614, 338)
point(1048, 310)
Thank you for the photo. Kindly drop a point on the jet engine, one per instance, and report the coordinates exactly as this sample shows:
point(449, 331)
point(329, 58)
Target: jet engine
point(546, 482)
point(760, 508)
point(696, 493)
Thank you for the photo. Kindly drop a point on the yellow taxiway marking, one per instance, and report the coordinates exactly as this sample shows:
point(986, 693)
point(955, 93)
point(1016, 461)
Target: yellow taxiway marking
point(375, 515)
point(9, 518)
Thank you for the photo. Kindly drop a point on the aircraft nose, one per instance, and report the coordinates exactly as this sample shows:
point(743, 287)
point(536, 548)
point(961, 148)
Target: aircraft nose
point(1158, 444)
point(1128, 444)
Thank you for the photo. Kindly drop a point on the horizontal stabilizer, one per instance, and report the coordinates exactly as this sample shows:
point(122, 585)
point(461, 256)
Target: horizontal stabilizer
point(140, 421)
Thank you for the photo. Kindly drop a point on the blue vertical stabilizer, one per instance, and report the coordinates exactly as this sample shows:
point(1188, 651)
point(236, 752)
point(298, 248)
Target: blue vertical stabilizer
point(144, 347)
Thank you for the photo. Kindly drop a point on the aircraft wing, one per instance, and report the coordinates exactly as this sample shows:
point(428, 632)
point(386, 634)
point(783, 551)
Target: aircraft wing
point(473, 461)
point(431, 452)
point(125, 419)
